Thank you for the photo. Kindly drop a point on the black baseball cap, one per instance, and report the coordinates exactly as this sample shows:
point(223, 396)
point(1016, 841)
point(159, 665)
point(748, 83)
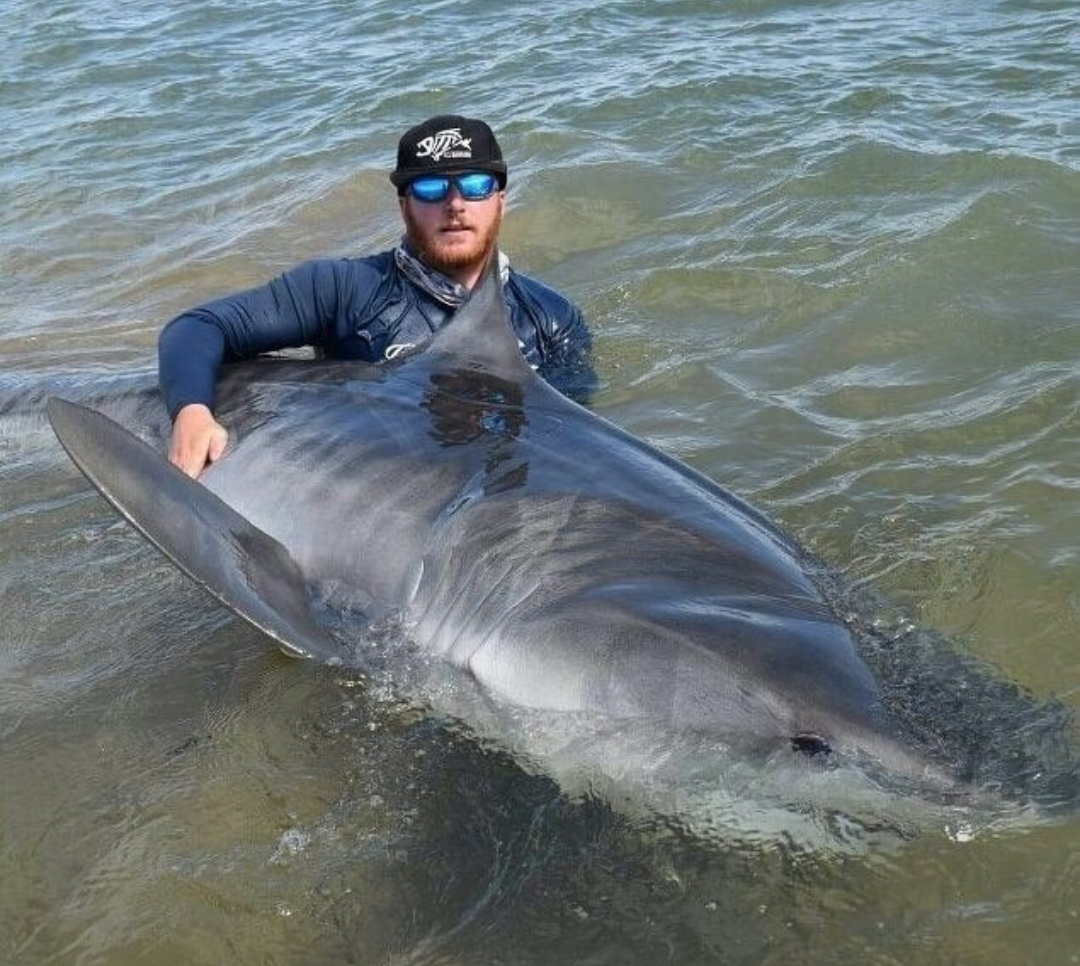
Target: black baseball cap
point(447, 144)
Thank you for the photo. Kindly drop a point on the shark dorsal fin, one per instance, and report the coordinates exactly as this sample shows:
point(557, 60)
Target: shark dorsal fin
point(480, 336)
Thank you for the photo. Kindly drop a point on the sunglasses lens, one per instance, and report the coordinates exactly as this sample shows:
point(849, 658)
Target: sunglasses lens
point(429, 189)
point(472, 187)
point(477, 186)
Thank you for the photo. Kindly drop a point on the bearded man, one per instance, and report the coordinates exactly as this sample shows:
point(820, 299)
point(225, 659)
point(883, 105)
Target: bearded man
point(451, 184)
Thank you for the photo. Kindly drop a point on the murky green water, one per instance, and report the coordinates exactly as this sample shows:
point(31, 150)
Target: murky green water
point(829, 251)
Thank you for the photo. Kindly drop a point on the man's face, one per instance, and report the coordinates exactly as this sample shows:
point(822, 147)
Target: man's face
point(454, 236)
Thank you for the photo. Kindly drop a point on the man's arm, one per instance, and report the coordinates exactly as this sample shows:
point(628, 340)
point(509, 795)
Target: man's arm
point(295, 309)
point(564, 341)
point(568, 362)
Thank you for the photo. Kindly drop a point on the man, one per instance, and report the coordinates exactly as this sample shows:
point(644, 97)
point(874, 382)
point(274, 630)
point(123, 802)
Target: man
point(451, 181)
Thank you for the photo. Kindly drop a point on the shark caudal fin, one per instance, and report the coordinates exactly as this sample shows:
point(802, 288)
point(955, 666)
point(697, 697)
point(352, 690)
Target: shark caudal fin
point(249, 572)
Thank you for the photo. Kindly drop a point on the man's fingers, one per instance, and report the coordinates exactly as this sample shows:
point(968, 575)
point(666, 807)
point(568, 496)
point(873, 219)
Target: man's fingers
point(197, 438)
point(219, 439)
point(189, 456)
point(180, 456)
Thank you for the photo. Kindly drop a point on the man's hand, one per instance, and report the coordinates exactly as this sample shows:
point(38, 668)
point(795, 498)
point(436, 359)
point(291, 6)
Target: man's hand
point(197, 439)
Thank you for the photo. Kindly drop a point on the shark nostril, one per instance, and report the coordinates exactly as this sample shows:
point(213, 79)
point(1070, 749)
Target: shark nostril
point(810, 744)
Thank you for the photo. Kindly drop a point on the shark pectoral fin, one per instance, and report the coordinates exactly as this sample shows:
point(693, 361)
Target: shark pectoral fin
point(249, 572)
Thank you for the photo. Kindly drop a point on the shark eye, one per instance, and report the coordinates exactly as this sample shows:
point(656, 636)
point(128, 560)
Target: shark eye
point(810, 744)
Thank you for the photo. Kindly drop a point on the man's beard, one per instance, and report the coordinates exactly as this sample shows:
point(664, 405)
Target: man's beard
point(449, 259)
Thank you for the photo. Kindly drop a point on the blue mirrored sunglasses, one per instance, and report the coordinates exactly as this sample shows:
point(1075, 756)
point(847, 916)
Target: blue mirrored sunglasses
point(475, 186)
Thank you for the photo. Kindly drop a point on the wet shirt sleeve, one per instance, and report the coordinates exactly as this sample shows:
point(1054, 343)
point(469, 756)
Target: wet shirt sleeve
point(298, 308)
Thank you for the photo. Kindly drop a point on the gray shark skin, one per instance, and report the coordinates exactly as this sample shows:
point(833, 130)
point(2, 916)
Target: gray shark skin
point(562, 564)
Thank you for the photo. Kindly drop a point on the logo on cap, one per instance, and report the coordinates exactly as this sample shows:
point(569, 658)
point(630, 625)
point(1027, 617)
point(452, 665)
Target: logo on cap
point(445, 144)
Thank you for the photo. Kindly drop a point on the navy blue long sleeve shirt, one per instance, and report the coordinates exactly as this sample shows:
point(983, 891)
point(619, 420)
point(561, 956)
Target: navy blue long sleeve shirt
point(358, 308)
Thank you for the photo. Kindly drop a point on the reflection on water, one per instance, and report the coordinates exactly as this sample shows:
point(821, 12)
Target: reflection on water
point(467, 406)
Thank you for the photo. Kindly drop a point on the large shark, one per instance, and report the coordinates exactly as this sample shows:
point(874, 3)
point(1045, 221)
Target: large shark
point(558, 563)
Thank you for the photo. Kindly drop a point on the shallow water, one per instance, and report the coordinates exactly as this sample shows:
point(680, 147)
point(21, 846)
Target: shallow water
point(828, 251)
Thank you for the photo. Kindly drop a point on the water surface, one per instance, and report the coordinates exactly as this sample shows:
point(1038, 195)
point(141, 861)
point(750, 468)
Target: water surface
point(828, 251)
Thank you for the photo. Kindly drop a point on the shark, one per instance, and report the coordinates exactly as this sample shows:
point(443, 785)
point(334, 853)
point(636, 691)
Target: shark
point(559, 565)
